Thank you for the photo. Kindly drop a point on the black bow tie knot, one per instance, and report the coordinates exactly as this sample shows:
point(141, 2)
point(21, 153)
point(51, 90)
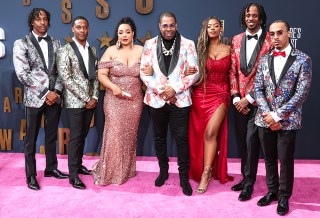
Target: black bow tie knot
point(255, 36)
point(45, 38)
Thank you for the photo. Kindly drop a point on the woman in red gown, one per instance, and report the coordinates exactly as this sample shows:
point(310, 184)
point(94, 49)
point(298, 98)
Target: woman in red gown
point(208, 126)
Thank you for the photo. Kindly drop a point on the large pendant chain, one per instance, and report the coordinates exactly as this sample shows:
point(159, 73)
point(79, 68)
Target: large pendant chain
point(165, 51)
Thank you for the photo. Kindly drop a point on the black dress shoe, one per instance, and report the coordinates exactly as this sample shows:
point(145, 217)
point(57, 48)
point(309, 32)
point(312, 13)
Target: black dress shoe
point(283, 206)
point(239, 186)
point(186, 187)
point(77, 183)
point(56, 174)
point(267, 199)
point(83, 170)
point(246, 193)
point(161, 179)
point(33, 183)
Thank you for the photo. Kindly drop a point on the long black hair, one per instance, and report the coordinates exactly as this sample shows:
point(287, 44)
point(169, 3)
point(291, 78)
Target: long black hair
point(124, 20)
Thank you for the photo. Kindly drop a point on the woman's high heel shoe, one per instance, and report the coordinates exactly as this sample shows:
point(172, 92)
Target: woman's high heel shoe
point(205, 179)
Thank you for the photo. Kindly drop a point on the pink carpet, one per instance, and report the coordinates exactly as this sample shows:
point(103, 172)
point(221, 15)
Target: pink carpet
point(140, 198)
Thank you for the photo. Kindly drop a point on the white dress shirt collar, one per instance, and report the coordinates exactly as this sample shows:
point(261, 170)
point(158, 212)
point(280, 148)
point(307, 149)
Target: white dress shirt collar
point(280, 61)
point(250, 45)
point(78, 44)
point(84, 51)
point(258, 33)
point(37, 36)
point(286, 49)
point(44, 47)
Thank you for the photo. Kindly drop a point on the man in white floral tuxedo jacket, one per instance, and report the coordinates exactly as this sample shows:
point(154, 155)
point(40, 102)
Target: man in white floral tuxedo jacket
point(171, 56)
point(34, 63)
point(281, 85)
point(77, 67)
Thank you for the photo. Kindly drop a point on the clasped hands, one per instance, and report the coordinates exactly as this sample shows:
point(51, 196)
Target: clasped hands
point(167, 93)
point(91, 104)
point(273, 125)
point(52, 97)
point(242, 106)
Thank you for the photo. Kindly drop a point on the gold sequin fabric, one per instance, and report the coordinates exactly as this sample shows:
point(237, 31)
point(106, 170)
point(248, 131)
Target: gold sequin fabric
point(122, 115)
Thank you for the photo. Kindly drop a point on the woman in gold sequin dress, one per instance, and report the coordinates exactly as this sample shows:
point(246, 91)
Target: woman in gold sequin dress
point(119, 72)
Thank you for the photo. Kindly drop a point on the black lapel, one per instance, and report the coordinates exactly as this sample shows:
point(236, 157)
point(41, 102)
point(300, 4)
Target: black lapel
point(80, 59)
point(175, 55)
point(271, 68)
point(161, 63)
point(92, 64)
point(36, 44)
point(287, 65)
point(256, 52)
point(50, 54)
point(243, 54)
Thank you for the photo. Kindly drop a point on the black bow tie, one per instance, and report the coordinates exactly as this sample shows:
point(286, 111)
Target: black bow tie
point(255, 36)
point(45, 38)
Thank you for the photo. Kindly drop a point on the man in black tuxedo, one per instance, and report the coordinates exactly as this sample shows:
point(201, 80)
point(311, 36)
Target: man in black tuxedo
point(34, 63)
point(77, 67)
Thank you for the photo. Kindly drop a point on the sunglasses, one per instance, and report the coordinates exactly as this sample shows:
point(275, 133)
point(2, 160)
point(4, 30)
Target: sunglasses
point(166, 26)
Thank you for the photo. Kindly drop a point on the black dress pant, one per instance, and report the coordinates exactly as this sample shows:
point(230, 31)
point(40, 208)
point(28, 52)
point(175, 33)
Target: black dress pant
point(178, 119)
point(79, 121)
point(279, 145)
point(248, 140)
point(33, 117)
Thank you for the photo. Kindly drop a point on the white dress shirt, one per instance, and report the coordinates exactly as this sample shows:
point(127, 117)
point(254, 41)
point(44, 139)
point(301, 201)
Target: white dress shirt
point(44, 48)
point(251, 44)
point(278, 63)
point(84, 51)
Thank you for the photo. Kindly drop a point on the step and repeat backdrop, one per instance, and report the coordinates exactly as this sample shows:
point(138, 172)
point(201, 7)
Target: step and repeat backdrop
point(103, 16)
